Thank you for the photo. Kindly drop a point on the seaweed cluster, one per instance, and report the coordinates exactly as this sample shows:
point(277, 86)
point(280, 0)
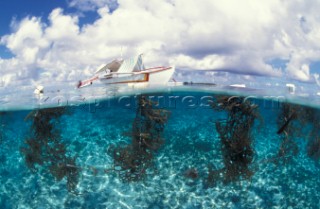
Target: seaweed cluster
point(313, 148)
point(288, 129)
point(296, 121)
point(312, 116)
point(236, 139)
point(191, 173)
point(133, 160)
point(45, 150)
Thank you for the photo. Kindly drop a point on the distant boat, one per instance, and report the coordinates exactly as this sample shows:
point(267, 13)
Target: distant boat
point(198, 84)
point(130, 71)
point(238, 85)
point(291, 88)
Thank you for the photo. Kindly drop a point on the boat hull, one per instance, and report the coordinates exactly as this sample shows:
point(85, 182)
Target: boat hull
point(154, 76)
point(161, 77)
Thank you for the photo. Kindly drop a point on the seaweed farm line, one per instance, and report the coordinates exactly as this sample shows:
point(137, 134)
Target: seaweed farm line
point(162, 150)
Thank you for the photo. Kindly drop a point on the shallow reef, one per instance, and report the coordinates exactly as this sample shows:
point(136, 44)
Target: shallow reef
point(228, 152)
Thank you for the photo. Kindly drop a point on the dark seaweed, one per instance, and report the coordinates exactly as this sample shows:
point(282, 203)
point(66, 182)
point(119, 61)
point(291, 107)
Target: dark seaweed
point(191, 173)
point(286, 124)
point(236, 138)
point(312, 116)
point(133, 160)
point(289, 129)
point(313, 149)
point(45, 148)
point(214, 177)
point(296, 121)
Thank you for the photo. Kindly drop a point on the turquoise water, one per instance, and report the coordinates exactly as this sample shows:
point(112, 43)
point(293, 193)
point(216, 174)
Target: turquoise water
point(190, 168)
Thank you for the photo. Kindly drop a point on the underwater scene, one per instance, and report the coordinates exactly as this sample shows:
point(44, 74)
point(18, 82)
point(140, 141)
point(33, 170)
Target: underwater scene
point(177, 148)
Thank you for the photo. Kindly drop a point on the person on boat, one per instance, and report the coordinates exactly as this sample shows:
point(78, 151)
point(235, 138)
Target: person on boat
point(79, 84)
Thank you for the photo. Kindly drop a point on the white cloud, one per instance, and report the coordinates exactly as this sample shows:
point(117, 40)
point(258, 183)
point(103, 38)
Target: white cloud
point(230, 35)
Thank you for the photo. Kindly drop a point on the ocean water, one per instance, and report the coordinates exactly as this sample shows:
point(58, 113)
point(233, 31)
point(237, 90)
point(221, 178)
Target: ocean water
point(175, 147)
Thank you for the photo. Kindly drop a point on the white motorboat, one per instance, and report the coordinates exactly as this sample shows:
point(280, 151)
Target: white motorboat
point(130, 71)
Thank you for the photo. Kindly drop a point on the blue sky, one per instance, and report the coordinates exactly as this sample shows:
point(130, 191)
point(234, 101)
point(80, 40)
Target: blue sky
point(69, 39)
point(17, 9)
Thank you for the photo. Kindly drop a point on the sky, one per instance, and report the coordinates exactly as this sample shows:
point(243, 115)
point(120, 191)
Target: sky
point(66, 40)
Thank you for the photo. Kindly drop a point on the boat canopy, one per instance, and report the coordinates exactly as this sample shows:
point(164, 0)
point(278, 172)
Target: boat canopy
point(133, 64)
point(130, 65)
point(112, 66)
point(139, 64)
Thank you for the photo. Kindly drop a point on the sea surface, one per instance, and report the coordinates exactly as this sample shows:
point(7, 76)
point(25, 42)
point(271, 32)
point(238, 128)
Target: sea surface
point(194, 146)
